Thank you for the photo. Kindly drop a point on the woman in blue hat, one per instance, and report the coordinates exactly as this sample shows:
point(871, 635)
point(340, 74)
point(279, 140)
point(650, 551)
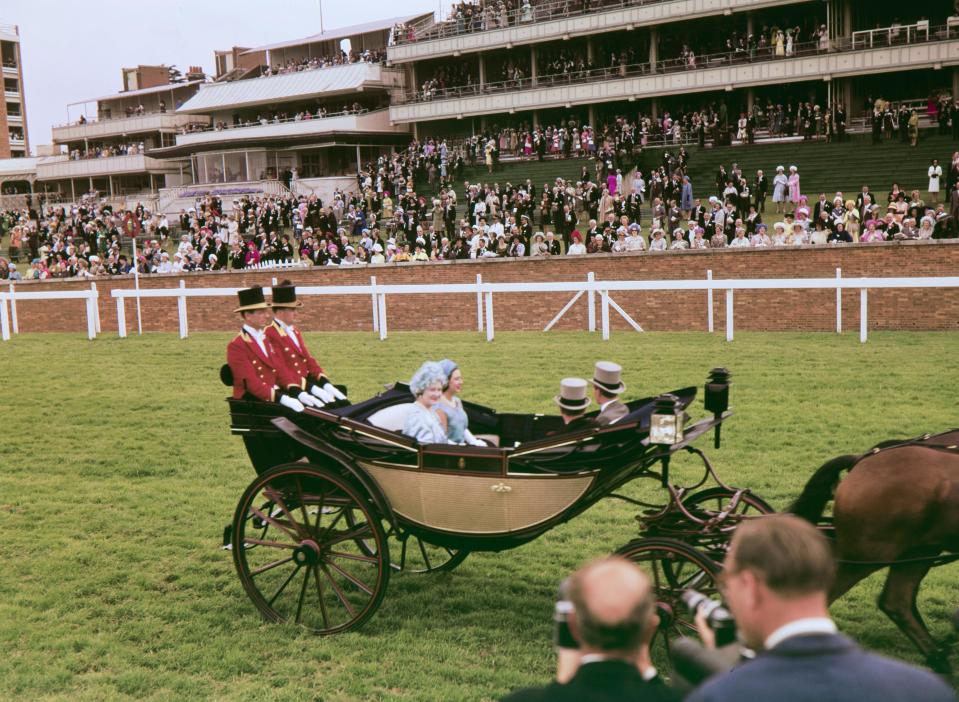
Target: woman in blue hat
point(450, 407)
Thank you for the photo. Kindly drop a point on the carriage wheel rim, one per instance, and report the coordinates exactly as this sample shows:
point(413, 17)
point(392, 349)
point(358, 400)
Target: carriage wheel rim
point(307, 568)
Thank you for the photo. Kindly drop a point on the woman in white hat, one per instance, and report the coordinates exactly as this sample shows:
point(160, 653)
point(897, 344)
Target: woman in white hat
point(422, 422)
point(780, 183)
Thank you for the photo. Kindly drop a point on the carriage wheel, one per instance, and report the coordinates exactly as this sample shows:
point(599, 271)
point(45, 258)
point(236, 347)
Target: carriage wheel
point(715, 499)
point(309, 569)
point(413, 555)
point(672, 567)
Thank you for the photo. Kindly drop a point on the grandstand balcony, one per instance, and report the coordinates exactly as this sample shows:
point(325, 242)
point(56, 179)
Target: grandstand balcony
point(550, 21)
point(266, 91)
point(934, 49)
point(62, 167)
point(377, 121)
point(121, 126)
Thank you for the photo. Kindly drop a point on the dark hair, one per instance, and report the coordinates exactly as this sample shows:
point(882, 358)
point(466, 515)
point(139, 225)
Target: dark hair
point(787, 553)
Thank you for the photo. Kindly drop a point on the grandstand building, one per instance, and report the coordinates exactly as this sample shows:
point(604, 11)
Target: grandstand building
point(485, 67)
point(14, 140)
point(105, 146)
point(299, 116)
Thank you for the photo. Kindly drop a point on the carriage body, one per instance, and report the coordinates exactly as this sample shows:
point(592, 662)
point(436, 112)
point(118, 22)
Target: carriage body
point(345, 489)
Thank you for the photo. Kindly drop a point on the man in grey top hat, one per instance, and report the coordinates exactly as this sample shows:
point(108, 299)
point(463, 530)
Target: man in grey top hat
point(573, 403)
point(607, 387)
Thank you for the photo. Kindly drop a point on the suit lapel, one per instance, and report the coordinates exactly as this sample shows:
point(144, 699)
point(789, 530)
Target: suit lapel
point(256, 347)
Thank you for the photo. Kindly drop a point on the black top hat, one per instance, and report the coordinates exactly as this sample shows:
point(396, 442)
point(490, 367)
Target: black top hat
point(284, 295)
point(251, 299)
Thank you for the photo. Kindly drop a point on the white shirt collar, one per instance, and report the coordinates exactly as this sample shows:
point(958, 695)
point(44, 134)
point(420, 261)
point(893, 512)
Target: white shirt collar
point(800, 627)
point(648, 674)
point(606, 404)
point(288, 328)
point(258, 337)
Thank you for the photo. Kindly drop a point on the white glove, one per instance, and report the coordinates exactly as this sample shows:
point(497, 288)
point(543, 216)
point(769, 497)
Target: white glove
point(472, 440)
point(308, 400)
point(334, 392)
point(326, 397)
point(291, 402)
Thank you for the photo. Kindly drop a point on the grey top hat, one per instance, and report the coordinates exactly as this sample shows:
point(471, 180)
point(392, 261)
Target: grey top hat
point(572, 394)
point(607, 377)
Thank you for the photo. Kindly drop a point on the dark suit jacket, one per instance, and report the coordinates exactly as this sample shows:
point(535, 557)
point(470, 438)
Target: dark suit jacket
point(603, 681)
point(822, 667)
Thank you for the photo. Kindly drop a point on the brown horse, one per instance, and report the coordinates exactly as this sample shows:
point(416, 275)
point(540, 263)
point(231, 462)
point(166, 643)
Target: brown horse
point(898, 508)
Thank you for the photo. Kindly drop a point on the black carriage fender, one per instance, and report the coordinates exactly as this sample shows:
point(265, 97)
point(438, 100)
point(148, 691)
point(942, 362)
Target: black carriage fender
point(343, 460)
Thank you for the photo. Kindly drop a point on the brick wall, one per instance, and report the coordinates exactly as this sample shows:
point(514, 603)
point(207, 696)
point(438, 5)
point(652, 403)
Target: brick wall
point(786, 310)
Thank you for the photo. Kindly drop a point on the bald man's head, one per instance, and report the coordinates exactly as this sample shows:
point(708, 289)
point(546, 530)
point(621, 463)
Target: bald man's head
point(612, 600)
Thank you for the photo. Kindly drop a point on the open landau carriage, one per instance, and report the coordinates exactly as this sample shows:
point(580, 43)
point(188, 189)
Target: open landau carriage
point(342, 499)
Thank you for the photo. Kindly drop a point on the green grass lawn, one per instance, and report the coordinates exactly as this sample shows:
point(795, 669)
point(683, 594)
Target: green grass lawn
point(119, 472)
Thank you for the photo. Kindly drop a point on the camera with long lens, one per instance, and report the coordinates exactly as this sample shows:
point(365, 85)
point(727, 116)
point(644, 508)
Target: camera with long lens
point(562, 636)
point(719, 619)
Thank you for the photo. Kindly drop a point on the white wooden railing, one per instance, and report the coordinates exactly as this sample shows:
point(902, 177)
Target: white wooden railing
point(590, 287)
point(9, 322)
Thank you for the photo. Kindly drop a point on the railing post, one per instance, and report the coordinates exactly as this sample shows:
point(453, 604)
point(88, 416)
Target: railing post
point(15, 324)
point(376, 311)
point(382, 316)
point(479, 302)
point(181, 311)
point(604, 312)
point(729, 314)
point(838, 302)
point(709, 302)
point(591, 302)
point(121, 318)
point(91, 318)
point(96, 306)
point(863, 306)
point(4, 320)
point(489, 315)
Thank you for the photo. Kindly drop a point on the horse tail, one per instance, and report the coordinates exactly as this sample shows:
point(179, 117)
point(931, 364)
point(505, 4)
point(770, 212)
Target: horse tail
point(819, 489)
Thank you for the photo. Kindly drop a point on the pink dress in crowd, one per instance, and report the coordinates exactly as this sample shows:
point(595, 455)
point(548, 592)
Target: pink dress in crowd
point(611, 184)
point(794, 193)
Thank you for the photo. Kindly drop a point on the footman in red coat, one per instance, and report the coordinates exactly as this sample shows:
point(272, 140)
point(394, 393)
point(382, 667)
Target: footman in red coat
point(290, 344)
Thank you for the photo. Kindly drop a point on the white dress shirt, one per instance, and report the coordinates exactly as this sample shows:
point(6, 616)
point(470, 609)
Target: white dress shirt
point(258, 337)
point(800, 627)
point(288, 328)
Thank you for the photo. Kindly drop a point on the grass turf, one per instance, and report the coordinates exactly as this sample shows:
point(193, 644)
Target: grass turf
point(119, 474)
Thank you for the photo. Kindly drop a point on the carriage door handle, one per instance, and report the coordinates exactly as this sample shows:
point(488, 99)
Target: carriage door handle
point(501, 487)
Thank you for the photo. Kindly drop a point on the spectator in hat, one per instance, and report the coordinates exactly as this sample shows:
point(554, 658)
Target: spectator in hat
point(538, 247)
point(576, 248)
point(255, 366)
point(607, 387)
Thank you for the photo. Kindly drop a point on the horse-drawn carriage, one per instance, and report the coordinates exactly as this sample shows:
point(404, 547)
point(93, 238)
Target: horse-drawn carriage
point(342, 499)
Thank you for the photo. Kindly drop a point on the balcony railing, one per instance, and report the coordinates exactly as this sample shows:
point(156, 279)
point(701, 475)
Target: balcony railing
point(525, 14)
point(147, 122)
point(717, 60)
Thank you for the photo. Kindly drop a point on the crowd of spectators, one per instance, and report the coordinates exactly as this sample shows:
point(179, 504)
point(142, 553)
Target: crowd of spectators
point(612, 207)
point(339, 58)
point(108, 150)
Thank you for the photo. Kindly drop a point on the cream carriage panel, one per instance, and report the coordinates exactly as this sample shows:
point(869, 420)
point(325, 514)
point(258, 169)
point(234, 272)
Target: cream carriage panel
point(474, 504)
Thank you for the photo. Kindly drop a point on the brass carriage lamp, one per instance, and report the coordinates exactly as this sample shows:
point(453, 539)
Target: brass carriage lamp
point(666, 422)
point(716, 397)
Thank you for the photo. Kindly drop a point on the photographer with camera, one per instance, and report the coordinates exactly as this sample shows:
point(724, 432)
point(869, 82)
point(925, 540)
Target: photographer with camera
point(776, 580)
point(605, 620)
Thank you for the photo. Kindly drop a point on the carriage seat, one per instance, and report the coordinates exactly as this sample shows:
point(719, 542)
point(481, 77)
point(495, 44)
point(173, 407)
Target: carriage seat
point(392, 418)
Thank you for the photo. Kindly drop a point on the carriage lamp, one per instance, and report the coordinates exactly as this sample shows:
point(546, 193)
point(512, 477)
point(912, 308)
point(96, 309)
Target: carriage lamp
point(666, 422)
point(716, 397)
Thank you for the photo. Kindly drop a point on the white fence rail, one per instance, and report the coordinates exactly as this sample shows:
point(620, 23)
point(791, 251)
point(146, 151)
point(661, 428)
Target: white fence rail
point(484, 296)
point(9, 322)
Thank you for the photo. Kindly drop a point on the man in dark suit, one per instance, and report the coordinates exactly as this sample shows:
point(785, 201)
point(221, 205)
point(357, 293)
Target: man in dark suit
point(777, 574)
point(607, 387)
point(612, 619)
point(760, 188)
point(573, 402)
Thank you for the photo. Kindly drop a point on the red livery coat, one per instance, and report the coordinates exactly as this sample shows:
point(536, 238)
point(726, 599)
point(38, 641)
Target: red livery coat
point(297, 360)
point(261, 376)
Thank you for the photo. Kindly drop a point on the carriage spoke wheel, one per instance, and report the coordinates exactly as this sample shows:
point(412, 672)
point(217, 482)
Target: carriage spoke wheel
point(708, 504)
point(410, 554)
point(307, 567)
point(672, 567)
